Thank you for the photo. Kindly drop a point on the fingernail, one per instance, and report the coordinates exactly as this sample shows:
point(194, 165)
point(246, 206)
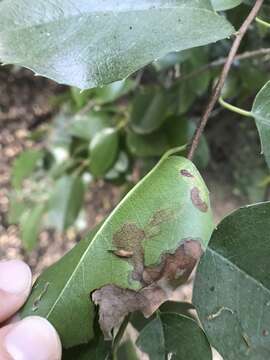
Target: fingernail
point(15, 276)
point(33, 338)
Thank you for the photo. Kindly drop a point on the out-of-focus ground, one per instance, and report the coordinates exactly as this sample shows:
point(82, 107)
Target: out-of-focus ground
point(25, 103)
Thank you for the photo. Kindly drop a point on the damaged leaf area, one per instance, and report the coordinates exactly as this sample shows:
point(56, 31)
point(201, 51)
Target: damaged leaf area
point(230, 283)
point(160, 282)
point(133, 261)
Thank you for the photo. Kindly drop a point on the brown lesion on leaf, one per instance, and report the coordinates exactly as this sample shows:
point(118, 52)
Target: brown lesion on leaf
point(175, 268)
point(128, 240)
point(186, 173)
point(197, 200)
point(158, 283)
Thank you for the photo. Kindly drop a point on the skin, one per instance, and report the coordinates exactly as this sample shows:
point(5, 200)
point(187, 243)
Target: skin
point(32, 338)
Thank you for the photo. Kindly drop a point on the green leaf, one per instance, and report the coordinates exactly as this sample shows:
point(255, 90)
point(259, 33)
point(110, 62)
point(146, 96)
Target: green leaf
point(103, 151)
point(170, 60)
point(30, 223)
point(219, 5)
point(181, 308)
point(196, 86)
point(65, 202)
point(89, 44)
point(16, 209)
point(261, 113)
point(87, 126)
point(97, 349)
point(176, 337)
point(154, 144)
point(232, 286)
point(24, 166)
point(149, 110)
point(159, 216)
point(114, 91)
point(138, 321)
point(127, 351)
point(180, 130)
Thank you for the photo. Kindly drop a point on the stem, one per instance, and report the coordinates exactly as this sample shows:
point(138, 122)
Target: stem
point(227, 66)
point(262, 22)
point(233, 108)
point(172, 151)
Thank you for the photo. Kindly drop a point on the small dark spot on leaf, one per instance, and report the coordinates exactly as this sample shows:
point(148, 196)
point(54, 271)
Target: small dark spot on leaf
point(186, 173)
point(197, 201)
point(212, 288)
point(130, 28)
point(265, 332)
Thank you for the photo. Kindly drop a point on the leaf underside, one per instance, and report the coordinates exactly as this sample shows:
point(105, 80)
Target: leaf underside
point(92, 43)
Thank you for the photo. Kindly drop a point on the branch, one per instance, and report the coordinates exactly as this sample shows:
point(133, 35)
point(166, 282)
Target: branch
point(225, 71)
point(244, 56)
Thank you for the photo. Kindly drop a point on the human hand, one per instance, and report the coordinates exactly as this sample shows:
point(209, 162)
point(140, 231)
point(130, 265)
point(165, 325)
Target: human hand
point(32, 338)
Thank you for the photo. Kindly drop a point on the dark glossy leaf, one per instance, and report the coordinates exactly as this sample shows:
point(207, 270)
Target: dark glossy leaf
point(30, 224)
point(87, 126)
point(149, 110)
point(147, 145)
point(97, 349)
point(138, 321)
point(176, 337)
point(65, 202)
point(103, 151)
point(170, 60)
point(24, 166)
point(181, 308)
point(127, 351)
point(180, 131)
point(232, 287)
point(114, 91)
point(261, 113)
point(89, 44)
point(154, 217)
point(225, 4)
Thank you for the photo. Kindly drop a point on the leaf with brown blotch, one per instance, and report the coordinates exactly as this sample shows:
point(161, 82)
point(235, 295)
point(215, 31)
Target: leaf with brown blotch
point(133, 261)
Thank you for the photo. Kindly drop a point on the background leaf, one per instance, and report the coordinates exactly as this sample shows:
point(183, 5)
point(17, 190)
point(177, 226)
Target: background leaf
point(23, 166)
point(225, 4)
point(30, 224)
point(86, 46)
point(176, 337)
point(261, 113)
point(65, 202)
point(103, 151)
point(149, 110)
point(161, 206)
point(87, 126)
point(232, 286)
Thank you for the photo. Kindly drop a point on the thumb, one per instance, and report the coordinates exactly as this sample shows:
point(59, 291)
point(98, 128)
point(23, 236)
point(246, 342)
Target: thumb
point(15, 286)
point(32, 338)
